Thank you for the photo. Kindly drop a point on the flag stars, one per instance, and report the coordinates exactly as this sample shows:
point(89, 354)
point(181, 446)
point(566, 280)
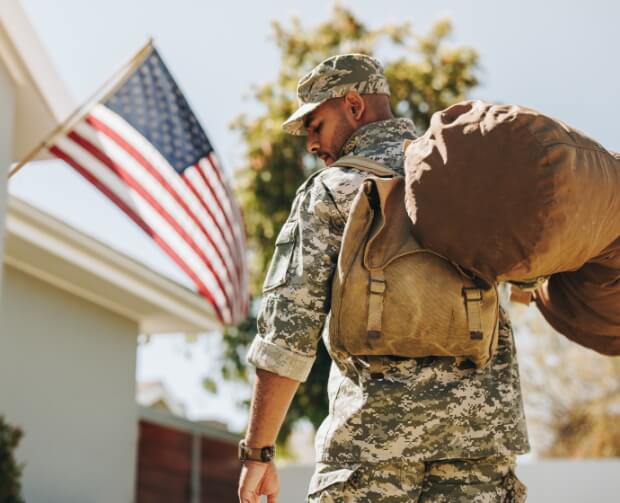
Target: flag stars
point(153, 104)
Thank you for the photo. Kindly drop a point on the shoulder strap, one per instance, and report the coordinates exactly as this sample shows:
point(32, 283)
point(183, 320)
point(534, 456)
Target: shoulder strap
point(354, 161)
point(364, 164)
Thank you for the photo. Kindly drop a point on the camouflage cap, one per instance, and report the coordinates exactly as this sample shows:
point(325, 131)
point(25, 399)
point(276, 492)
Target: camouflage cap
point(333, 78)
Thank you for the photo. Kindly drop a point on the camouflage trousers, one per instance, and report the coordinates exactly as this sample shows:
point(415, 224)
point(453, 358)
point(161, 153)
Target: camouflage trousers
point(485, 480)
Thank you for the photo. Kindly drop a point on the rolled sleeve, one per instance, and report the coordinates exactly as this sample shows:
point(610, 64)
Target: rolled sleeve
point(296, 292)
point(279, 360)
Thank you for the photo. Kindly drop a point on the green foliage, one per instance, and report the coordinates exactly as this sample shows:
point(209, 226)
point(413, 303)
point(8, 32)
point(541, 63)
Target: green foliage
point(10, 471)
point(425, 75)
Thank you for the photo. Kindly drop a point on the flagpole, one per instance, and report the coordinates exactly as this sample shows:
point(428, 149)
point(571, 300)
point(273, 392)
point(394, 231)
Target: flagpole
point(101, 94)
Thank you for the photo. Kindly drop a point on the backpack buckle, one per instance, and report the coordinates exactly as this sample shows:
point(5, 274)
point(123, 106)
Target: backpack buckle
point(473, 295)
point(376, 367)
point(377, 285)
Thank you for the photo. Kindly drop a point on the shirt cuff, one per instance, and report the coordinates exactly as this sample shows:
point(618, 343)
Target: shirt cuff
point(269, 356)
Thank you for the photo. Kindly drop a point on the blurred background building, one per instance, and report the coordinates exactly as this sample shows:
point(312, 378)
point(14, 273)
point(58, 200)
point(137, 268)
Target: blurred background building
point(71, 312)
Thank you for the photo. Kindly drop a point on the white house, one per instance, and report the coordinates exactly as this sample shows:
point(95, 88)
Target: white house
point(33, 99)
point(71, 309)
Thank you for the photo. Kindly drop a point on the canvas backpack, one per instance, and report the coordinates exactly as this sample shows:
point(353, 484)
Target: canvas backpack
point(391, 297)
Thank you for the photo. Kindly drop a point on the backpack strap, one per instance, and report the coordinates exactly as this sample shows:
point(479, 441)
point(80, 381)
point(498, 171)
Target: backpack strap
point(376, 364)
point(473, 307)
point(352, 161)
point(364, 164)
point(375, 305)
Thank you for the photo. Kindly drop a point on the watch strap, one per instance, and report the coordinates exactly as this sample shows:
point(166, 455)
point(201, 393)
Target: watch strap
point(262, 454)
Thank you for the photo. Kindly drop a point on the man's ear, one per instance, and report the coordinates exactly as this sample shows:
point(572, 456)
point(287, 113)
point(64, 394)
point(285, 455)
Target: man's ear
point(355, 105)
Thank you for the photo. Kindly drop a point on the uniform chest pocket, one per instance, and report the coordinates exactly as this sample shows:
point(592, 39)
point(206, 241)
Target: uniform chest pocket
point(281, 260)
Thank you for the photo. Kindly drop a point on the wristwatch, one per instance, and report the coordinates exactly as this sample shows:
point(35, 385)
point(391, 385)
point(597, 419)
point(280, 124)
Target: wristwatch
point(263, 454)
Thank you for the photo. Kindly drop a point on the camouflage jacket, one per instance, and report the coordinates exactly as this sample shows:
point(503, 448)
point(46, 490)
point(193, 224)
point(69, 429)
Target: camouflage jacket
point(426, 408)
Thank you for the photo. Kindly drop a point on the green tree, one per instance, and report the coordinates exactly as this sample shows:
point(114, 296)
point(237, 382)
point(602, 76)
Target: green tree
point(571, 394)
point(10, 470)
point(425, 73)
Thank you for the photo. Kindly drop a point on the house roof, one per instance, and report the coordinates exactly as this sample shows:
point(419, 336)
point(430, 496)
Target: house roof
point(155, 395)
point(53, 251)
point(41, 98)
point(204, 428)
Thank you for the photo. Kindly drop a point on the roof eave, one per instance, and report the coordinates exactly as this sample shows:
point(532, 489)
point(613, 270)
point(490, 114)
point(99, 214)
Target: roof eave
point(56, 253)
point(41, 98)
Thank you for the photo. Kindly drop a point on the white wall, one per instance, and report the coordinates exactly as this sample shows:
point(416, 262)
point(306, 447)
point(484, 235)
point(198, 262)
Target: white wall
point(7, 99)
point(67, 374)
point(596, 481)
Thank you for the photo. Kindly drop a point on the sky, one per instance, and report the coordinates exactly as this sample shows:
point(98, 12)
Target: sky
point(558, 57)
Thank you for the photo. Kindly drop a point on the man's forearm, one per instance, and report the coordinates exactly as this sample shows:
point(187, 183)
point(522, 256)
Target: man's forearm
point(271, 398)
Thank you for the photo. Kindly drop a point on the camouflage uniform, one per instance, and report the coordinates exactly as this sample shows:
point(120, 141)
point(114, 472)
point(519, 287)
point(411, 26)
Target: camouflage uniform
point(431, 430)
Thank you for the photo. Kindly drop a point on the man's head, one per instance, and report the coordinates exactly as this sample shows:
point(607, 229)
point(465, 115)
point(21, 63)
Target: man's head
point(337, 97)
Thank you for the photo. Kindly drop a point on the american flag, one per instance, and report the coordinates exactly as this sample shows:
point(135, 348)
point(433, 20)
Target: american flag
point(144, 149)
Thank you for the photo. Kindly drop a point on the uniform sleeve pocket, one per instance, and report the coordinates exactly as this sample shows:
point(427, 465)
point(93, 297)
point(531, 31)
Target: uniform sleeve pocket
point(281, 260)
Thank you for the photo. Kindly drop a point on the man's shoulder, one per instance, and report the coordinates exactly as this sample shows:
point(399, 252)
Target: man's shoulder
point(334, 187)
point(340, 181)
point(339, 185)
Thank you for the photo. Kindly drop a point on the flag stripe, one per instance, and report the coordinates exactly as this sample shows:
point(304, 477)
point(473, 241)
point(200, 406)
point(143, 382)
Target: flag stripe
point(210, 170)
point(215, 211)
point(230, 266)
point(196, 177)
point(208, 180)
point(225, 195)
point(241, 243)
point(61, 154)
point(236, 254)
point(156, 205)
point(237, 217)
point(216, 192)
point(121, 131)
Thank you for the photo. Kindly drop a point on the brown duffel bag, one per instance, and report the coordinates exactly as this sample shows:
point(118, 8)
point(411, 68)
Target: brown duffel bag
point(511, 194)
point(584, 305)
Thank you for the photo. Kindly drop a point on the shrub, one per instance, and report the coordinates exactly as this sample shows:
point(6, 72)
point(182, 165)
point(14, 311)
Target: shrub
point(10, 470)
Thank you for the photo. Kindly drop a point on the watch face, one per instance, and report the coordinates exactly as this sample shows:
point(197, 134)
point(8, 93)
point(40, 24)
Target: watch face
point(263, 454)
point(266, 453)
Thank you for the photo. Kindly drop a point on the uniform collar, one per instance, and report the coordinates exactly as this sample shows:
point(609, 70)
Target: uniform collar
point(388, 130)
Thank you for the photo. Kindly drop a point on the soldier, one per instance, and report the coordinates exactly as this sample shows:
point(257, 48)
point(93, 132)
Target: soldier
point(431, 430)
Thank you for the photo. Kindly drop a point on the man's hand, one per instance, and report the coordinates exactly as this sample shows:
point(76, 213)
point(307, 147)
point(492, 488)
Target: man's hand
point(271, 398)
point(256, 479)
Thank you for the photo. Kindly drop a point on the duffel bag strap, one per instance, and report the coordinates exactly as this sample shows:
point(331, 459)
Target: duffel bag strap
point(473, 306)
point(376, 288)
